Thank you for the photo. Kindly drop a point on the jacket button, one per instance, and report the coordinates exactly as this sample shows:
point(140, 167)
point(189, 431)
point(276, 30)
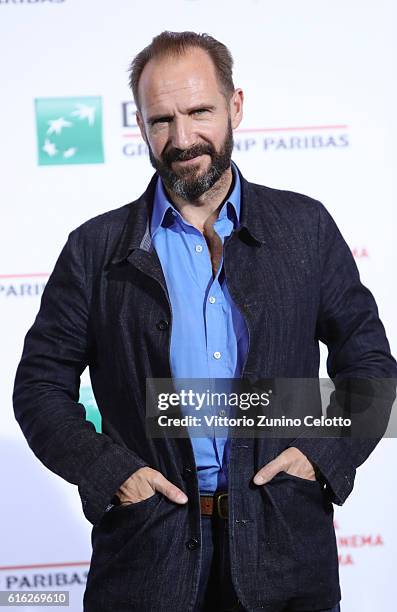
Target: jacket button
point(192, 544)
point(162, 325)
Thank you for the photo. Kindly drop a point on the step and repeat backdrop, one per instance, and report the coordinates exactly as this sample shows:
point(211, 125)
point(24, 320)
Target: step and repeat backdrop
point(320, 99)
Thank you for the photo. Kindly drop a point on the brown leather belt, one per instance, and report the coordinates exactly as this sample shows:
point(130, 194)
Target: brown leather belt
point(214, 505)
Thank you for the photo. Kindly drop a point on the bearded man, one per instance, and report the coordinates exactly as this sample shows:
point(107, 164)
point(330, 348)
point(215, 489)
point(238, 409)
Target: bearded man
point(206, 275)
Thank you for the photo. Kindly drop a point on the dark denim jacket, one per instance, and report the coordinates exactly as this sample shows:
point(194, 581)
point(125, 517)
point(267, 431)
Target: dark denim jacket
point(295, 281)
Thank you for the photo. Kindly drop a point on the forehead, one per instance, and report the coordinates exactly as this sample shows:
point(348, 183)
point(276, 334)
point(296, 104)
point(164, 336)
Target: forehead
point(178, 79)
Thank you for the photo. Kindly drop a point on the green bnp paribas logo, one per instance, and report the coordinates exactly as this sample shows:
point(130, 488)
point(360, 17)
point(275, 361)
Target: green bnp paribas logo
point(69, 130)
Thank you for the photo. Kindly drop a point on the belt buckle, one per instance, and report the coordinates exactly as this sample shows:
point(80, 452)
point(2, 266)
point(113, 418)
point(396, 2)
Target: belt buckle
point(219, 498)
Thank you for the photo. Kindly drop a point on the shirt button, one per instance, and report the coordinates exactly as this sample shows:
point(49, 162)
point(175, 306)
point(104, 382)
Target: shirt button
point(222, 413)
point(199, 248)
point(217, 355)
point(162, 325)
point(192, 544)
point(212, 300)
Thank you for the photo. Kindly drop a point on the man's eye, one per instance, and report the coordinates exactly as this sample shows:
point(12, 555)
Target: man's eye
point(200, 111)
point(161, 120)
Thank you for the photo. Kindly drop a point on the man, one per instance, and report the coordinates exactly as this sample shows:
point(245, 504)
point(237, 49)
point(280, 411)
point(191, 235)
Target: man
point(205, 275)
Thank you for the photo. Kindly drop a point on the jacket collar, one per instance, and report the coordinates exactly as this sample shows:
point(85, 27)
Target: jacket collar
point(136, 231)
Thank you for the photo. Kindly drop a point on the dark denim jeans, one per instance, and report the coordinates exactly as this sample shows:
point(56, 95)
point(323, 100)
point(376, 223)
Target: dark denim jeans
point(216, 591)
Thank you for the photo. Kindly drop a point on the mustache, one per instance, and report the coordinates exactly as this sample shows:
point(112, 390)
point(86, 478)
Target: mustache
point(184, 155)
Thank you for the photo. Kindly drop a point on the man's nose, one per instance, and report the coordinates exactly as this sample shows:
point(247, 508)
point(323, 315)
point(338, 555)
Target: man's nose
point(182, 135)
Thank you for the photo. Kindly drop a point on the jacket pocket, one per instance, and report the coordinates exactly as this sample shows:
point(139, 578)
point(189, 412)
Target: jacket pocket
point(299, 530)
point(127, 514)
point(299, 479)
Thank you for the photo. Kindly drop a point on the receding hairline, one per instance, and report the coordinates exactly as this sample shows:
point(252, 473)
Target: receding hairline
point(180, 52)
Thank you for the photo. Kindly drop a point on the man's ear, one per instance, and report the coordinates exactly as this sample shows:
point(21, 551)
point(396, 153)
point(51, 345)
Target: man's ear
point(236, 108)
point(141, 126)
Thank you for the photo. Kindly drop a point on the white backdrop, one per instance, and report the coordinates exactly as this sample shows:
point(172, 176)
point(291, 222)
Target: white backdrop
point(320, 99)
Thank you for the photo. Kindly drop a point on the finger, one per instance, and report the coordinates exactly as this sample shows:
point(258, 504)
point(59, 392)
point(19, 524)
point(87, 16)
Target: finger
point(268, 471)
point(139, 491)
point(302, 470)
point(136, 488)
point(160, 483)
point(300, 465)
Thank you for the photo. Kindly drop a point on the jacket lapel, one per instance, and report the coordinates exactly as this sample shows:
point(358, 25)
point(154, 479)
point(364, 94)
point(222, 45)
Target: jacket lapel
point(135, 244)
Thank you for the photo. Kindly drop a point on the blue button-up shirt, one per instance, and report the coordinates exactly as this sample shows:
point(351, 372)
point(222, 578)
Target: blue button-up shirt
point(209, 338)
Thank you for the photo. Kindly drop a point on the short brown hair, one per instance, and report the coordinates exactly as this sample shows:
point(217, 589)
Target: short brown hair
point(177, 43)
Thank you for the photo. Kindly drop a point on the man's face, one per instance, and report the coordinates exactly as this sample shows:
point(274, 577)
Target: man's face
point(186, 122)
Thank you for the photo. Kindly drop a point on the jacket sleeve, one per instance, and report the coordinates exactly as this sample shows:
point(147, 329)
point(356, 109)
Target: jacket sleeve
point(358, 350)
point(56, 350)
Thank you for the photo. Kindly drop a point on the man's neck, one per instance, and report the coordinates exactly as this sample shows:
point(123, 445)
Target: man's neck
point(197, 211)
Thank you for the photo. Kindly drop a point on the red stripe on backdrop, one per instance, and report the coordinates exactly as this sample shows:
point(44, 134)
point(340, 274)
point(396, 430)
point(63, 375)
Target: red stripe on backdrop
point(29, 275)
point(277, 129)
point(42, 565)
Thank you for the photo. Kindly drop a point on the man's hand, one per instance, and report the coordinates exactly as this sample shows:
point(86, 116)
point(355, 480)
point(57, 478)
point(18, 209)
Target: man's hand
point(144, 482)
point(292, 461)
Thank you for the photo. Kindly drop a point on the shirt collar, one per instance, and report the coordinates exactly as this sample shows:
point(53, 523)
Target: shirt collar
point(163, 208)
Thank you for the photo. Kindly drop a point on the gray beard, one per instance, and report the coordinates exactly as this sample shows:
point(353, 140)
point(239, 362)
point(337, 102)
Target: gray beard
point(188, 184)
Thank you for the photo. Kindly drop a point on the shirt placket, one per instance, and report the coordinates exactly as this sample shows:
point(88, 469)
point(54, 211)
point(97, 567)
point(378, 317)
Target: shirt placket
point(216, 311)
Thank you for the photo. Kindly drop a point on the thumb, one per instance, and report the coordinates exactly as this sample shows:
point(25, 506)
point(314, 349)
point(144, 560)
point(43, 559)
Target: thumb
point(268, 472)
point(160, 483)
